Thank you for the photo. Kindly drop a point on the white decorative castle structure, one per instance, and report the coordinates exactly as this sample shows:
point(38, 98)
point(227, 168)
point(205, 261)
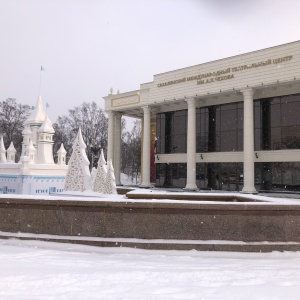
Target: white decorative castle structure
point(36, 172)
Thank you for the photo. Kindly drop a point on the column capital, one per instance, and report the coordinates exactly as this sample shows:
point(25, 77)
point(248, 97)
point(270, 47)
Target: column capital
point(247, 92)
point(118, 114)
point(110, 113)
point(149, 109)
point(191, 101)
point(146, 108)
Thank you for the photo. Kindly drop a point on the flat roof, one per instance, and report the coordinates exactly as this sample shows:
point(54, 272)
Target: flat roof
point(255, 51)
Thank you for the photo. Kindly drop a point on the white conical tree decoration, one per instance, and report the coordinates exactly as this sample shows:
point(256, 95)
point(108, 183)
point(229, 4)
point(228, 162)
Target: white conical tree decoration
point(100, 178)
point(78, 176)
point(110, 179)
point(2, 151)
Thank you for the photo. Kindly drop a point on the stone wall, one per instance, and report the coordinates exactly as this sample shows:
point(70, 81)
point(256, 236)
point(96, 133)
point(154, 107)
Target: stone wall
point(252, 223)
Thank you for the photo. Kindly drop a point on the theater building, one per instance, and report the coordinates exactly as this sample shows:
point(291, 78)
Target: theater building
point(231, 124)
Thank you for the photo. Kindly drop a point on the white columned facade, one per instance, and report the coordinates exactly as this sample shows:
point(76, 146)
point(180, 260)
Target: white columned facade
point(146, 147)
point(248, 142)
point(191, 146)
point(110, 138)
point(117, 147)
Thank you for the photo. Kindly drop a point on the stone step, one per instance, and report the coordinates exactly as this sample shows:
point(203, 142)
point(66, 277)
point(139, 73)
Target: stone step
point(230, 246)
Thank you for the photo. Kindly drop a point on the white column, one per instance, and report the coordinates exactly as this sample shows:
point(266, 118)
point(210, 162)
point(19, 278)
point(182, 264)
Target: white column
point(191, 146)
point(110, 138)
point(146, 148)
point(117, 148)
point(248, 142)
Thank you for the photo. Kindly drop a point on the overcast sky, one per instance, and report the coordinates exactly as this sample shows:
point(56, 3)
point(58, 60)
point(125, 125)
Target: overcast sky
point(89, 46)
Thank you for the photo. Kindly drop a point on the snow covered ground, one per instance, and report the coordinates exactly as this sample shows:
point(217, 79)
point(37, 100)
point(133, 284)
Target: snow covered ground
point(44, 270)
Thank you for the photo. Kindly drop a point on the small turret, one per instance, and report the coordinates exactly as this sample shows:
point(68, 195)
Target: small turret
point(45, 143)
point(2, 151)
point(35, 119)
point(61, 155)
point(11, 153)
point(27, 137)
point(31, 152)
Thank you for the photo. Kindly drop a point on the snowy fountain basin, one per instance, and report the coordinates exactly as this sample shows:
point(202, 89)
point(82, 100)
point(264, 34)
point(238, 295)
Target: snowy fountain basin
point(271, 224)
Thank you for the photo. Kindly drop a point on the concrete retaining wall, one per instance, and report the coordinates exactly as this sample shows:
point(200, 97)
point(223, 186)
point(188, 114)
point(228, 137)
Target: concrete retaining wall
point(250, 225)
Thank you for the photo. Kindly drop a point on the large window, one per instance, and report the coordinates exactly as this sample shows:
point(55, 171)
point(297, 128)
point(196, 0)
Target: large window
point(277, 176)
point(220, 176)
point(277, 123)
point(160, 133)
point(220, 128)
point(216, 176)
point(171, 175)
point(171, 132)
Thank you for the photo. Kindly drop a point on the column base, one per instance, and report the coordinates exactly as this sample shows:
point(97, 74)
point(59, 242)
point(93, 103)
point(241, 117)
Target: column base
point(191, 187)
point(249, 190)
point(145, 186)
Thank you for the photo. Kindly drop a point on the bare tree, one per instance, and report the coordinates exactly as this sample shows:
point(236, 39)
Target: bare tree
point(12, 118)
point(93, 122)
point(131, 151)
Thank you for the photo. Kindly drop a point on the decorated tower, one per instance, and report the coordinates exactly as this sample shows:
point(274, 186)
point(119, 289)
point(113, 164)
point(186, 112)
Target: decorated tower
point(31, 152)
point(27, 137)
point(45, 143)
point(61, 155)
point(36, 119)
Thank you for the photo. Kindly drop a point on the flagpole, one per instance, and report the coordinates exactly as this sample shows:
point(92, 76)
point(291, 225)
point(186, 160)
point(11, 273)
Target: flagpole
point(40, 81)
point(40, 85)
